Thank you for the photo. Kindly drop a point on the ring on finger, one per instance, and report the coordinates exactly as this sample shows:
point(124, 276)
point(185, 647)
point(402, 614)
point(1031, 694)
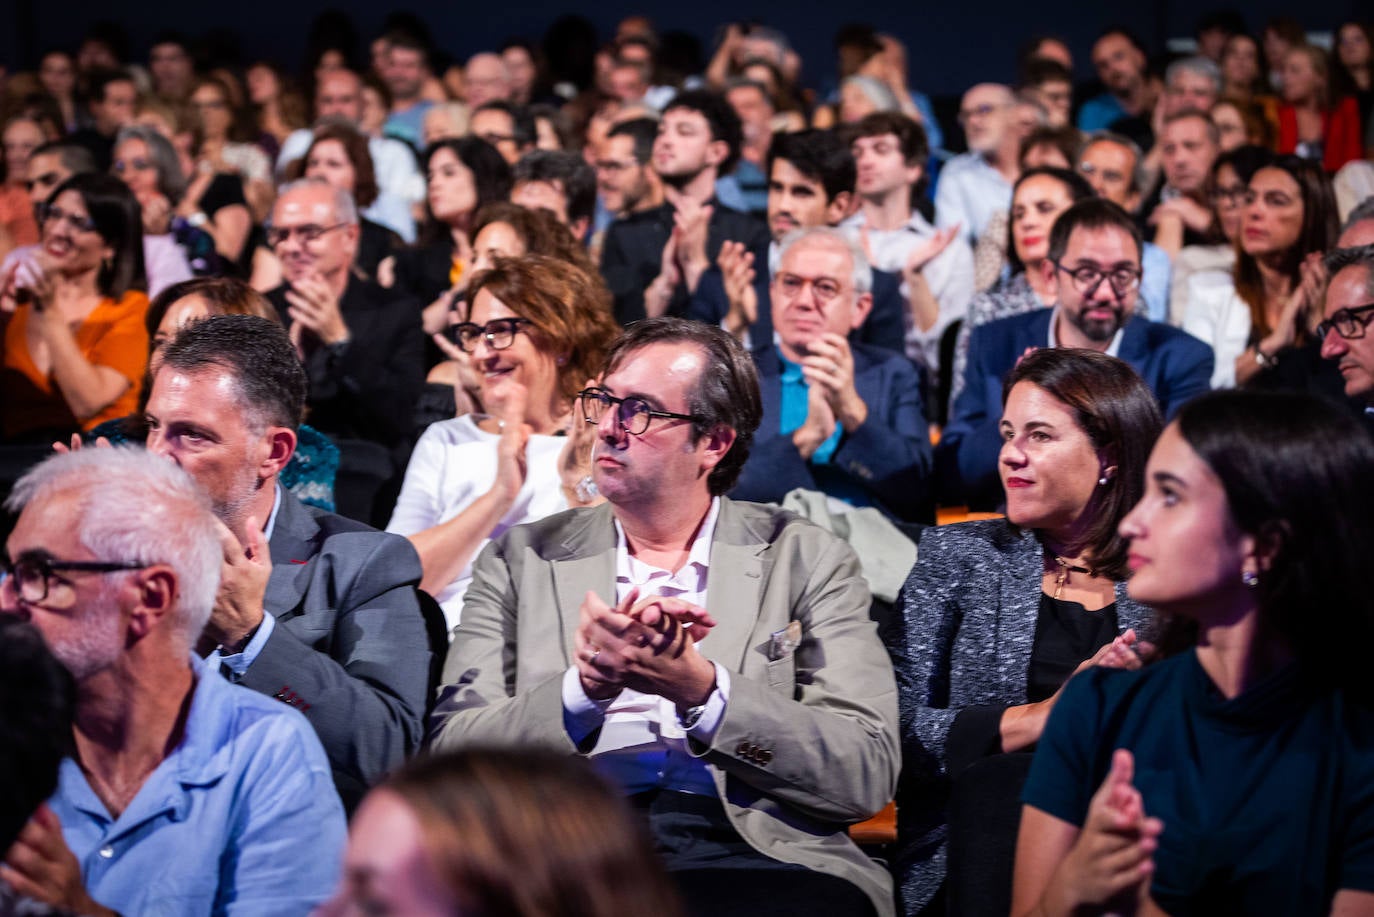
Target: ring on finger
point(596, 651)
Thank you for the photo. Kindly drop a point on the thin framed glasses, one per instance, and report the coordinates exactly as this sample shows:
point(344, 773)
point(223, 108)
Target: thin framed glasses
point(32, 574)
point(1086, 278)
point(498, 334)
point(792, 285)
point(308, 233)
point(1350, 323)
point(75, 221)
point(632, 414)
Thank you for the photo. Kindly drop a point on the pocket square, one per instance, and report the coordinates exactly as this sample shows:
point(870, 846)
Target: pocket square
point(782, 643)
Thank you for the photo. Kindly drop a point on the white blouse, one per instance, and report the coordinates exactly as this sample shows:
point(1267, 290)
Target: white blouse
point(1216, 315)
point(453, 464)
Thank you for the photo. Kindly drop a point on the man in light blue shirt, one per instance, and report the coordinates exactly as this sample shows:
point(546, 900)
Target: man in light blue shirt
point(185, 794)
point(975, 185)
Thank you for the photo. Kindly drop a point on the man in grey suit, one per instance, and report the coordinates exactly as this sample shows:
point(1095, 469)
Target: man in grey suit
point(345, 642)
point(714, 658)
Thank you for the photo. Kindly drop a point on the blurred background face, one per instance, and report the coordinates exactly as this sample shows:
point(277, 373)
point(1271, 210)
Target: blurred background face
point(1187, 153)
point(1109, 168)
point(179, 314)
point(21, 138)
point(452, 189)
point(986, 114)
point(1231, 131)
point(262, 85)
point(1301, 83)
point(1228, 196)
point(327, 160)
point(1273, 213)
point(57, 73)
point(1038, 201)
point(1352, 46)
point(521, 72)
point(496, 240)
point(45, 173)
point(212, 108)
point(133, 163)
point(1240, 64)
point(386, 867)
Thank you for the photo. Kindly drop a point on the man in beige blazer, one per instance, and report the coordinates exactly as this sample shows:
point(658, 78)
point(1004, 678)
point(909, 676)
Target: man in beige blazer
point(716, 659)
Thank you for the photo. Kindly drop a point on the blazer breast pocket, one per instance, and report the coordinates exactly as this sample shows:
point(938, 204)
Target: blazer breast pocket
point(782, 676)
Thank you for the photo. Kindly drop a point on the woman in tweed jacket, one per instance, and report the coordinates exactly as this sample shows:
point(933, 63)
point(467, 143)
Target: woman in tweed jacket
point(1078, 428)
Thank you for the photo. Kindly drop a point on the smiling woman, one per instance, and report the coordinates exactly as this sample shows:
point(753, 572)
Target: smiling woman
point(71, 315)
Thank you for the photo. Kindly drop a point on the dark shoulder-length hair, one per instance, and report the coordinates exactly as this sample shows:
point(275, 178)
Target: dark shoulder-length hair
point(491, 176)
point(355, 147)
point(1298, 474)
point(1121, 418)
point(1076, 185)
point(1318, 234)
point(119, 221)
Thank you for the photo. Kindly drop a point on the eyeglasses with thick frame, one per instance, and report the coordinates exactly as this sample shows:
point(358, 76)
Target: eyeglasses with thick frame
point(1087, 278)
point(308, 233)
point(1350, 323)
point(32, 574)
point(499, 333)
point(632, 414)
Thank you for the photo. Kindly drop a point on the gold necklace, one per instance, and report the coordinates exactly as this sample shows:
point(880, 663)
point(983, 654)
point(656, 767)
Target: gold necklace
point(1061, 577)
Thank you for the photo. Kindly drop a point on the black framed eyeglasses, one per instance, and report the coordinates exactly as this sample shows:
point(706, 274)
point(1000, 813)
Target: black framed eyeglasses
point(308, 233)
point(632, 414)
point(32, 574)
point(499, 333)
point(1086, 278)
point(1350, 323)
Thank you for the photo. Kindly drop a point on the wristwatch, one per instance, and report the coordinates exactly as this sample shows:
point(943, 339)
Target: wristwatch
point(690, 718)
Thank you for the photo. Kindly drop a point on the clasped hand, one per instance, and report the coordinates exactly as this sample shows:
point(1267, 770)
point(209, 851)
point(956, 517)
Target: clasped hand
point(648, 645)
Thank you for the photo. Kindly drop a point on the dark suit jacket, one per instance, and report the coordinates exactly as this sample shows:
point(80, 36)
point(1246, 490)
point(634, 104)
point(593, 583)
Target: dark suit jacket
point(633, 253)
point(348, 648)
point(888, 457)
point(369, 389)
point(885, 326)
point(1175, 365)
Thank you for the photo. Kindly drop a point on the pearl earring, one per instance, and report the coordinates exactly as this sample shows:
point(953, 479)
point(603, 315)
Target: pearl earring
point(1250, 578)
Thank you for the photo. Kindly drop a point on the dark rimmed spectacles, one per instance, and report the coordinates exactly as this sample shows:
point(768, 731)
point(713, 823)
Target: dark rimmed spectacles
point(1350, 323)
point(498, 334)
point(632, 414)
point(1087, 278)
point(32, 574)
point(308, 233)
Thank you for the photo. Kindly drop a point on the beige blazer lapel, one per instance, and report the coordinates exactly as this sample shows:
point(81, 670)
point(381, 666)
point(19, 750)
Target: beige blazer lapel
point(740, 564)
point(587, 562)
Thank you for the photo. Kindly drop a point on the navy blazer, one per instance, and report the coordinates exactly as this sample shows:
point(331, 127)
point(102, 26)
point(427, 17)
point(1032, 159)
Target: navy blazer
point(349, 647)
point(885, 326)
point(888, 457)
point(1174, 364)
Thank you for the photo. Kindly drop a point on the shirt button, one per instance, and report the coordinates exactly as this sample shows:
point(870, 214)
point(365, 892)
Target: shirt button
point(107, 851)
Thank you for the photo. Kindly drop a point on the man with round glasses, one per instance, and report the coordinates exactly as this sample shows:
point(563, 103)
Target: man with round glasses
point(362, 346)
point(580, 632)
point(1344, 332)
point(1094, 264)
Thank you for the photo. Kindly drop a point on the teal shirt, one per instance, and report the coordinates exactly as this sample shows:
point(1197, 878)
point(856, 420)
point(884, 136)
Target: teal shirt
point(793, 411)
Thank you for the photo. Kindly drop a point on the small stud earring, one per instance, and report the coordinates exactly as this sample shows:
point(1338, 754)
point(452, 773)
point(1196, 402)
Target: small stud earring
point(1102, 481)
point(1250, 578)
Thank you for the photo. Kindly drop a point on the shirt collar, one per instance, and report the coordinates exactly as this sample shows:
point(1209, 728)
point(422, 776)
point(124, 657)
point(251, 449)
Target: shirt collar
point(699, 555)
point(272, 517)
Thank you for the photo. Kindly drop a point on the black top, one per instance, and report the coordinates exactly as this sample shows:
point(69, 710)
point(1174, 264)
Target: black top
point(1066, 633)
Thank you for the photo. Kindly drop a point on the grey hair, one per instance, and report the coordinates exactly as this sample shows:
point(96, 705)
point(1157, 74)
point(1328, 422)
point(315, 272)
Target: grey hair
point(134, 506)
point(877, 92)
point(1202, 66)
point(1138, 175)
point(863, 273)
point(1362, 211)
point(171, 181)
point(1355, 256)
point(345, 210)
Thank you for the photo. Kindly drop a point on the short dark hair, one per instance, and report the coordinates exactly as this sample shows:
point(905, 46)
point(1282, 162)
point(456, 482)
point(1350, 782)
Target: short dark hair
point(720, 117)
point(1354, 256)
point(407, 40)
point(642, 131)
point(727, 392)
point(1041, 70)
point(1067, 140)
point(99, 80)
point(257, 353)
point(1298, 471)
point(819, 155)
point(911, 137)
point(37, 702)
point(1092, 213)
point(119, 221)
point(523, 128)
point(1125, 33)
point(1075, 184)
point(171, 37)
point(75, 158)
point(1245, 160)
point(570, 170)
point(1121, 417)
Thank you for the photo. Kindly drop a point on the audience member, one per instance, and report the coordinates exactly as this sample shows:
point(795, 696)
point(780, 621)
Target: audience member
point(1344, 330)
point(1257, 508)
point(171, 66)
point(1179, 209)
point(405, 73)
point(112, 97)
point(935, 265)
point(841, 418)
point(21, 136)
point(71, 315)
point(730, 755)
point(976, 184)
point(625, 179)
point(180, 787)
point(561, 183)
point(1093, 264)
point(486, 78)
point(1038, 596)
point(522, 833)
point(1312, 122)
point(1051, 85)
point(277, 108)
point(224, 144)
point(1119, 59)
point(1264, 315)
point(535, 332)
point(339, 155)
point(315, 610)
point(507, 126)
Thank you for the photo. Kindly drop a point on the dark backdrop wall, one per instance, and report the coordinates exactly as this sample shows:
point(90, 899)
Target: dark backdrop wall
point(952, 44)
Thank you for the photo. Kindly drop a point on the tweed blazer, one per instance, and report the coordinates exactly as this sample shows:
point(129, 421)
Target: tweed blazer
point(968, 613)
point(808, 741)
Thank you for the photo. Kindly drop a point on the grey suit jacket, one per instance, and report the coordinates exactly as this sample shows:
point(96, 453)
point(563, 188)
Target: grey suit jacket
point(808, 742)
point(968, 611)
point(348, 648)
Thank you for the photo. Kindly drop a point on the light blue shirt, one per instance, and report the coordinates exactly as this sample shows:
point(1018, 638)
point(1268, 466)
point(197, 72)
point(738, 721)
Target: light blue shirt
point(969, 192)
point(1098, 113)
point(1156, 274)
point(240, 819)
point(236, 664)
